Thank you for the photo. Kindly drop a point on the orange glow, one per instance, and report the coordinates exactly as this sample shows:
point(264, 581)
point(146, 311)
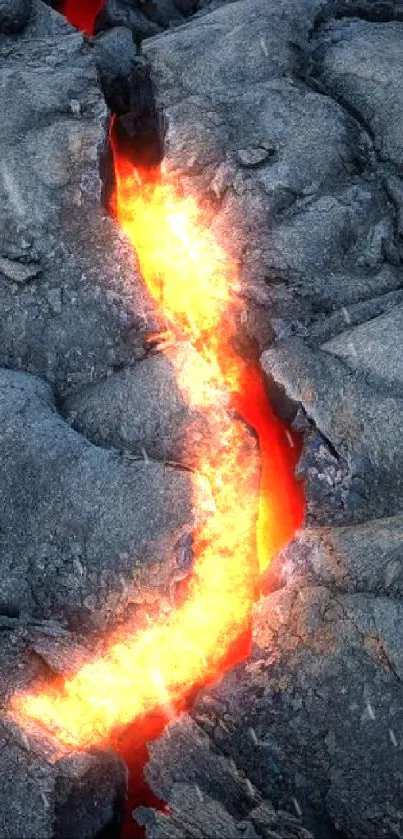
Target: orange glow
point(187, 272)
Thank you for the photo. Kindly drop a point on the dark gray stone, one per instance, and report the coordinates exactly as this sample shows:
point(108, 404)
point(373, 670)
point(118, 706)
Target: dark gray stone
point(207, 796)
point(361, 64)
point(359, 476)
point(68, 551)
point(367, 347)
point(366, 558)
point(314, 716)
point(125, 13)
point(71, 302)
point(284, 119)
point(14, 15)
point(115, 57)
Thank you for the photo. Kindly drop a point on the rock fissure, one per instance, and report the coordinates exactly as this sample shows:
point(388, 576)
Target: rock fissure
point(319, 248)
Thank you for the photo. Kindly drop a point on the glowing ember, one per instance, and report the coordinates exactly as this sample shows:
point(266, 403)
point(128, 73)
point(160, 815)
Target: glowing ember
point(188, 273)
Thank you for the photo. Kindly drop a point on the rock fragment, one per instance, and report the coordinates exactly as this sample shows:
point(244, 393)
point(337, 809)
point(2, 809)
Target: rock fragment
point(207, 796)
point(87, 536)
point(115, 57)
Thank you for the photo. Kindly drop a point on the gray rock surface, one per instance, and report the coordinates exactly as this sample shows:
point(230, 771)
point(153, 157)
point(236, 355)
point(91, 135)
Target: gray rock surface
point(68, 553)
point(206, 794)
point(115, 57)
point(71, 304)
point(296, 148)
point(366, 347)
point(285, 118)
point(359, 475)
point(146, 19)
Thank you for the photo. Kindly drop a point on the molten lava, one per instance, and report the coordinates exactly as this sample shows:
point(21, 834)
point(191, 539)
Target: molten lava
point(187, 272)
point(82, 14)
point(195, 284)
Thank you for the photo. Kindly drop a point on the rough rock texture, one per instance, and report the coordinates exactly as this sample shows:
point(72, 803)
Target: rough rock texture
point(87, 535)
point(206, 795)
point(285, 117)
point(67, 552)
point(146, 19)
point(70, 312)
point(115, 58)
point(297, 149)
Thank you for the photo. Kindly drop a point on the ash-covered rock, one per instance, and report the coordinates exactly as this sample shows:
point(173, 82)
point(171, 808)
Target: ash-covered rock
point(72, 306)
point(115, 57)
point(359, 476)
point(364, 558)
point(315, 715)
point(86, 533)
point(206, 795)
point(146, 18)
point(297, 151)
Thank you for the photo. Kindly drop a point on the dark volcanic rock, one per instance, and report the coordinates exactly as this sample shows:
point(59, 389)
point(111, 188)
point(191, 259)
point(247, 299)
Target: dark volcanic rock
point(125, 13)
point(146, 18)
point(364, 558)
point(115, 57)
point(14, 15)
point(207, 796)
point(71, 304)
point(315, 715)
point(360, 476)
point(360, 63)
point(285, 119)
point(297, 151)
point(86, 534)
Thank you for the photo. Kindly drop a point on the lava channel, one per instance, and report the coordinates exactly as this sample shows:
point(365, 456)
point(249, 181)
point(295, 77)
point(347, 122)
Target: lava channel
point(186, 270)
point(189, 274)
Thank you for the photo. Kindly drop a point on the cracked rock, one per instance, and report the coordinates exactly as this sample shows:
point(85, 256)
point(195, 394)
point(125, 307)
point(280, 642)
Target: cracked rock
point(359, 476)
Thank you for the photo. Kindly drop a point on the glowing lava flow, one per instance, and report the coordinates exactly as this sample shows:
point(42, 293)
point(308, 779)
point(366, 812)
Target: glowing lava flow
point(82, 15)
point(188, 273)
